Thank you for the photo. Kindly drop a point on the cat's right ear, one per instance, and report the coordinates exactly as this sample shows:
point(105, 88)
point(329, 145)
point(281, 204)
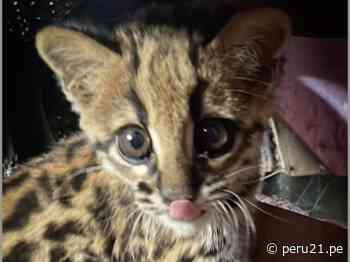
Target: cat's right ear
point(261, 33)
point(75, 58)
point(266, 30)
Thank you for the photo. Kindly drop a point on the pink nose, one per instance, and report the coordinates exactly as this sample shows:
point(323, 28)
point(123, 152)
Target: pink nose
point(184, 210)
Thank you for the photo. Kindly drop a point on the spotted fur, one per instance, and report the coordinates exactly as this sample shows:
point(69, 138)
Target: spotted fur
point(84, 202)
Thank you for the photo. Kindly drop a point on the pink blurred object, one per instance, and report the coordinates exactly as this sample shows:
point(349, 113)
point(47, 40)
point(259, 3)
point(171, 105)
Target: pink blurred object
point(313, 98)
point(184, 210)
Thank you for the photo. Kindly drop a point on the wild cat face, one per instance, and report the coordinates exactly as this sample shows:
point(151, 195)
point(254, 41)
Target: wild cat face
point(178, 121)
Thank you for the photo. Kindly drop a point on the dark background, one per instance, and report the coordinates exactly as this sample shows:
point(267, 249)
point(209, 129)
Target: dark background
point(36, 113)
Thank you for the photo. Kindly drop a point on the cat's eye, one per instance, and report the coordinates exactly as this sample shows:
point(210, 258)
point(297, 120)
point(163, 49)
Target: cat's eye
point(214, 136)
point(134, 144)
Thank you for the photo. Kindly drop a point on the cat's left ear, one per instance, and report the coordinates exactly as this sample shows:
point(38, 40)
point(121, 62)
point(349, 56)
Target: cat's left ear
point(265, 31)
point(78, 62)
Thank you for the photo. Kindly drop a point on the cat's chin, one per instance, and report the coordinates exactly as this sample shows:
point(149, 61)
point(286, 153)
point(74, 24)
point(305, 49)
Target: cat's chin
point(185, 229)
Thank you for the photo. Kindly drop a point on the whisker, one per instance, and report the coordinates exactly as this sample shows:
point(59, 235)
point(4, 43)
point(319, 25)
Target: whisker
point(234, 216)
point(136, 223)
point(211, 191)
point(273, 174)
point(217, 185)
point(266, 212)
point(241, 208)
point(238, 171)
point(231, 213)
point(226, 215)
point(132, 213)
point(215, 197)
point(216, 214)
point(245, 211)
point(251, 221)
point(148, 227)
point(265, 177)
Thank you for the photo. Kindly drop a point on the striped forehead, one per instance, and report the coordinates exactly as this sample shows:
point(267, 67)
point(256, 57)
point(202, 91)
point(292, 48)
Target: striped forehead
point(165, 78)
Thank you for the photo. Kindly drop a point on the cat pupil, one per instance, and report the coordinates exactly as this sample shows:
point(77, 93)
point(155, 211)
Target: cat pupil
point(136, 139)
point(214, 136)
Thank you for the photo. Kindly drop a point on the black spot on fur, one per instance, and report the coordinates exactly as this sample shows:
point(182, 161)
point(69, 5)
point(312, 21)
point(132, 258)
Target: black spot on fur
point(25, 206)
point(73, 148)
point(145, 200)
point(101, 209)
point(78, 180)
point(65, 195)
point(21, 252)
point(57, 254)
point(44, 183)
point(15, 181)
point(65, 200)
point(143, 187)
point(60, 232)
point(58, 181)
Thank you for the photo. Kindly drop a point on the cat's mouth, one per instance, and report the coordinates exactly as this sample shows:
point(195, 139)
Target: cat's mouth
point(185, 210)
point(186, 218)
